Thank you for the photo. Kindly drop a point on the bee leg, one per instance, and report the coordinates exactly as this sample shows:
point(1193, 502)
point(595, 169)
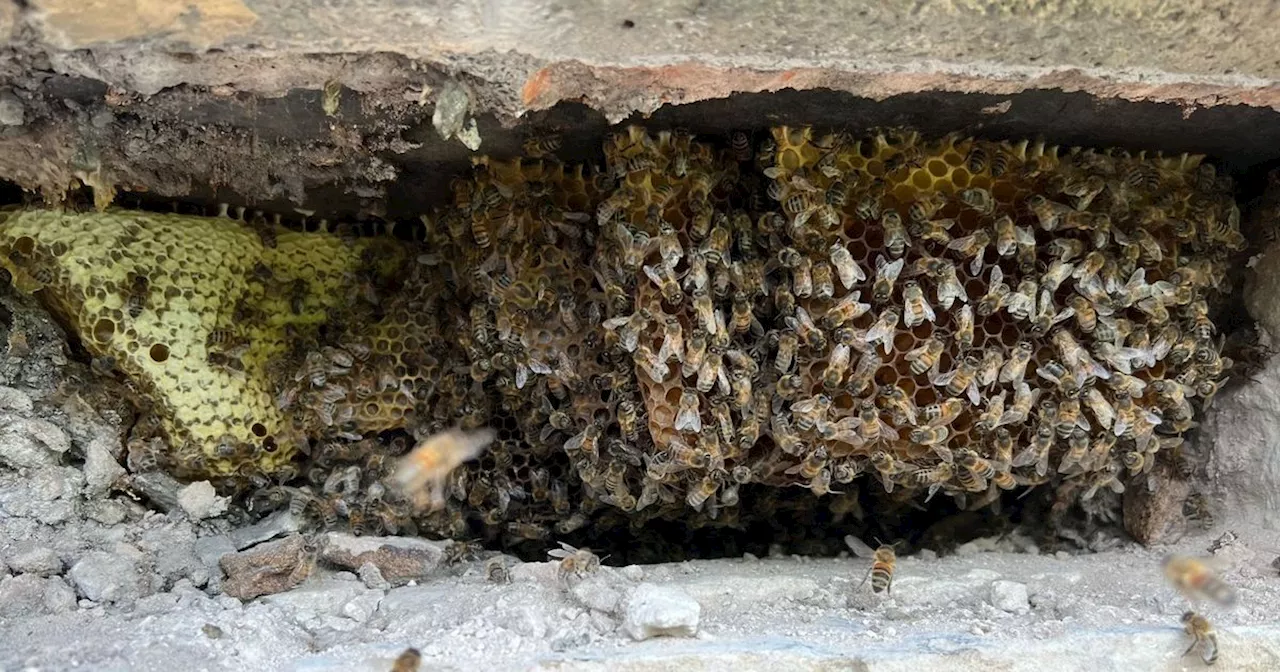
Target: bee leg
point(1191, 648)
point(864, 578)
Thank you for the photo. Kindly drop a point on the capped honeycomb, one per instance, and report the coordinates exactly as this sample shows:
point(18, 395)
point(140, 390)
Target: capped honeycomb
point(919, 317)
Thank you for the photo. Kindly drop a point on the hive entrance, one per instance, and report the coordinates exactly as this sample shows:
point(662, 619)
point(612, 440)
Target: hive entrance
point(668, 339)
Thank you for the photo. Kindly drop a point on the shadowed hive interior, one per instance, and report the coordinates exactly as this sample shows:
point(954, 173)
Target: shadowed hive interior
point(651, 338)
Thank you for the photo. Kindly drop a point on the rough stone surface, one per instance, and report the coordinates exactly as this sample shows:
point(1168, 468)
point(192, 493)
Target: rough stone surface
point(275, 525)
point(58, 596)
point(38, 560)
point(1010, 596)
point(372, 577)
point(107, 577)
point(398, 559)
point(201, 501)
point(11, 110)
point(1240, 434)
point(268, 568)
point(100, 469)
point(22, 595)
point(660, 611)
point(1155, 517)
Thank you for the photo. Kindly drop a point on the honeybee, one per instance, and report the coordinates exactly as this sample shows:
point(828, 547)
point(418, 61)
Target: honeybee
point(705, 311)
point(961, 379)
point(812, 465)
point(802, 278)
point(1069, 418)
point(741, 317)
point(845, 310)
point(978, 199)
point(837, 366)
point(944, 412)
point(916, 309)
point(785, 357)
point(701, 491)
point(804, 327)
point(784, 302)
point(923, 358)
point(886, 275)
point(586, 442)
point(989, 370)
point(823, 283)
point(1037, 452)
point(1015, 368)
point(924, 208)
point(672, 340)
point(1100, 451)
point(429, 463)
point(136, 299)
point(997, 293)
point(964, 327)
point(575, 562)
point(1006, 236)
point(1101, 409)
point(629, 328)
point(871, 427)
point(665, 280)
point(934, 477)
point(711, 373)
point(974, 472)
point(716, 247)
point(1021, 302)
point(1202, 635)
point(1075, 460)
point(863, 373)
point(899, 403)
point(929, 436)
point(896, 239)
point(409, 661)
point(883, 561)
point(935, 230)
point(1050, 214)
point(990, 418)
point(1195, 579)
point(848, 270)
point(883, 330)
point(688, 417)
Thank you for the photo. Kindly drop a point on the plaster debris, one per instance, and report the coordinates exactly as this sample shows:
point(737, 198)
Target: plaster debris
point(201, 501)
point(372, 577)
point(108, 577)
point(100, 469)
point(12, 111)
point(660, 611)
point(1010, 596)
point(38, 560)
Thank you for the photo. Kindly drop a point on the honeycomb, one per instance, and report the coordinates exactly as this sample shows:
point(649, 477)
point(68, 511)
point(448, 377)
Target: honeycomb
point(912, 316)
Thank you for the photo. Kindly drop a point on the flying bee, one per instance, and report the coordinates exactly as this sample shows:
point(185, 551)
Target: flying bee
point(837, 366)
point(997, 295)
point(429, 463)
point(1196, 580)
point(883, 330)
point(964, 327)
point(886, 275)
point(1037, 452)
point(1202, 635)
point(884, 559)
point(848, 270)
point(896, 239)
point(915, 309)
point(804, 327)
point(1015, 368)
point(665, 280)
point(960, 380)
point(925, 356)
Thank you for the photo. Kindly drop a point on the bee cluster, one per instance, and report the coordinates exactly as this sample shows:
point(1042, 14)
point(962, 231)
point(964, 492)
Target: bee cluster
point(956, 316)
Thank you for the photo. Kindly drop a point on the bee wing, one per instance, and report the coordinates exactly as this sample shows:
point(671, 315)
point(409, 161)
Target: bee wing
point(888, 433)
point(559, 553)
point(928, 311)
point(688, 419)
point(972, 390)
point(859, 547)
point(938, 378)
point(893, 270)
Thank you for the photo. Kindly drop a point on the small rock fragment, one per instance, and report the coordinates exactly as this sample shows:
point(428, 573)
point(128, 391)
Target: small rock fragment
point(12, 112)
point(107, 577)
point(269, 568)
point(58, 596)
point(100, 469)
point(38, 560)
point(596, 593)
point(1010, 596)
point(372, 577)
point(361, 607)
point(278, 524)
point(211, 631)
point(398, 559)
point(660, 611)
point(201, 501)
point(22, 596)
point(632, 572)
point(451, 109)
point(157, 486)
